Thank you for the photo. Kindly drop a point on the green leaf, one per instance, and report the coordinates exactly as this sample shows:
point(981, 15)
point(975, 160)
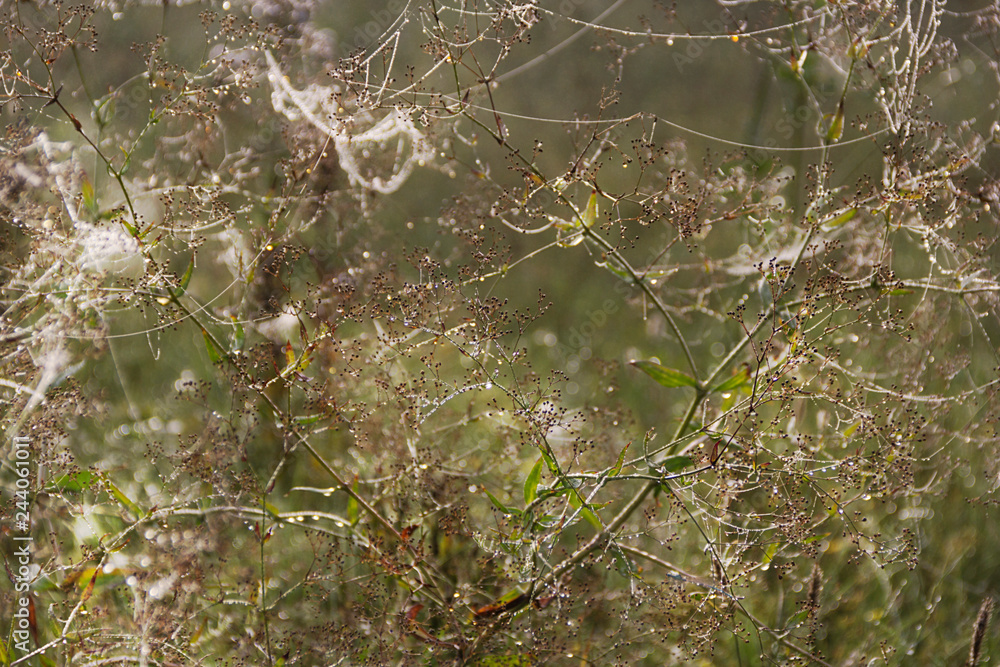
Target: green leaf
point(620, 462)
point(531, 483)
point(213, 352)
point(75, 482)
point(239, 335)
point(797, 619)
point(772, 549)
point(129, 227)
point(353, 508)
point(500, 506)
point(676, 463)
point(626, 567)
point(668, 377)
point(590, 214)
point(738, 379)
point(510, 595)
point(613, 268)
point(836, 129)
point(550, 463)
point(563, 225)
point(577, 502)
point(568, 239)
point(591, 518)
point(839, 220)
point(87, 191)
point(306, 420)
point(127, 164)
point(186, 278)
point(124, 500)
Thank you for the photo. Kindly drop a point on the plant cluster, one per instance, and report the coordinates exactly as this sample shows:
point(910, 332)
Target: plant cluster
point(500, 333)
